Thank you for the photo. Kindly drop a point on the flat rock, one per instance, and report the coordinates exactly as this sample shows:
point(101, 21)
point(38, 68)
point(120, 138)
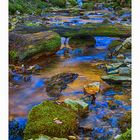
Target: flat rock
point(57, 83)
point(116, 78)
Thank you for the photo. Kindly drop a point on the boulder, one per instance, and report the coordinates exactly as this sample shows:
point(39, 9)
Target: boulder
point(26, 46)
point(41, 121)
point(57, 83)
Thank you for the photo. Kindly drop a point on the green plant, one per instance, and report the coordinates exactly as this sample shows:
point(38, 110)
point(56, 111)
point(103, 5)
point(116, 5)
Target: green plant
point(126, 135)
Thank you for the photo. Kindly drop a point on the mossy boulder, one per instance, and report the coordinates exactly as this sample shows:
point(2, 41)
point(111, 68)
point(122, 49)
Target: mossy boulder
point(50, 119)
point(125, 122)
point(26, 46)
point(126, 135)
point(114, 44)
point(93, 30)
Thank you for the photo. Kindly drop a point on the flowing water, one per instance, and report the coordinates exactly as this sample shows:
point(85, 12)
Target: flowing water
point(25, 95)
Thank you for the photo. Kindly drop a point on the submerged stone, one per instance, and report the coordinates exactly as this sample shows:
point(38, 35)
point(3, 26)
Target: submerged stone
point(57, 83)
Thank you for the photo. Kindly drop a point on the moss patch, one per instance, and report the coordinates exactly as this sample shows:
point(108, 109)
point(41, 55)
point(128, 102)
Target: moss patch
point(36, 44)
point(41, 121)
point(126, 135)
point(114, 44)
point(94, 30)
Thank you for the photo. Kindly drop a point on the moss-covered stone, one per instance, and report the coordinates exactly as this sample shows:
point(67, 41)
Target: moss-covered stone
point(114, 44)
point(42, 121)
point(36, 44)
point(93, 30)
point(125, 122)
point(126, 135)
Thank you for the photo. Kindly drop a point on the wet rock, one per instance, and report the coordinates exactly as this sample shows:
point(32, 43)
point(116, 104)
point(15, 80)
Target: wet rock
point(122, 97)
point(120, 56)
point(34, 68)
point(92, 88)
point(113, 66)
point(42, 116)
point(57, 83)
point(27, 46)
point(116, 79)
point(126, 46)
point(124, 71)
point(77, 105)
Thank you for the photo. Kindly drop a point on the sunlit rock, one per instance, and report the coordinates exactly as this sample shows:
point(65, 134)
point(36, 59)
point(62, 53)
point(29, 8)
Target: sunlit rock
point(92, 88)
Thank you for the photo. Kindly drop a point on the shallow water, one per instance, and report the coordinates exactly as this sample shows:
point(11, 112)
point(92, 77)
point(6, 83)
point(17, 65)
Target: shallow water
point(26, 95)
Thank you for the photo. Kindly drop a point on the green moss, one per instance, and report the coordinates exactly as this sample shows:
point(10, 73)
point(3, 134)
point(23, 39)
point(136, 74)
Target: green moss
point(41, 121)
point(13, 55)
point(25, 6)
point(32, 24)
point(58, 3)
point(72, 2)
point(126, 135)
point(74, 12)
point(47, 46)
point(88, 6)
point(125, 122)
point(96, 30)
point(114, 44)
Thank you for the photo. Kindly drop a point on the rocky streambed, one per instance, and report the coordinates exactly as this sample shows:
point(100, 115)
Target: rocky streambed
point(70, 76)
point(90, 65)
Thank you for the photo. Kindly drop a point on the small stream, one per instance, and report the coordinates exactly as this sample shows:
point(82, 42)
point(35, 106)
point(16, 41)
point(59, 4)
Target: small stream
point(26, 95)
